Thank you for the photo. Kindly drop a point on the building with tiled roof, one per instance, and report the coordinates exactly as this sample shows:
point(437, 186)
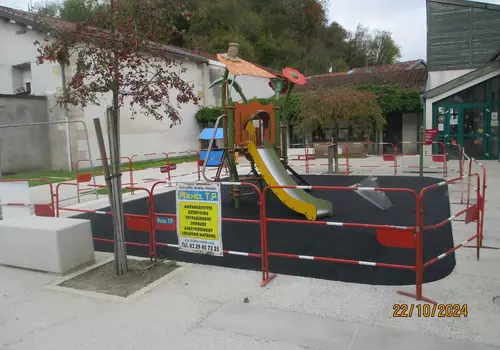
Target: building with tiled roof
point(412, 80)
point(28, 87)
point(28, 19)
point(409, 75)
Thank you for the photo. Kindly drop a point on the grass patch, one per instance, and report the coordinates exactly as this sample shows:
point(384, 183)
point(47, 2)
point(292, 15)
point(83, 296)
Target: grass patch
point(104, 191)
point(60, 176)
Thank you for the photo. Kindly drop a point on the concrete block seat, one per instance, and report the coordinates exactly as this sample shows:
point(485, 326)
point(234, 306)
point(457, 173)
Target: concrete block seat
point(56, 245)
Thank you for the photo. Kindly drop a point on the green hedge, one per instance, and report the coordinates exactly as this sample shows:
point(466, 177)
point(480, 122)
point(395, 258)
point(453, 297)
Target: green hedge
point(391, 99)
point(394, 99)
point(210, 114)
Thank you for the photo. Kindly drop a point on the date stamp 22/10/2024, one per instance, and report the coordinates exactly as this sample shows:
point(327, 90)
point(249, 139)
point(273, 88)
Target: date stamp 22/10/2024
point(427, 310)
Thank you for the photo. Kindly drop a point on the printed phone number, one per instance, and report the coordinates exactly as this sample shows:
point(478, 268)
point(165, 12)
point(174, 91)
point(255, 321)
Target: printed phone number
point(198, 246)
point(427, 310)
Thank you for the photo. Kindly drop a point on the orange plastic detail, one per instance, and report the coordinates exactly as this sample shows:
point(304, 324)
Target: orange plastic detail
point(438, 158)
point(140, 224)
point(471, 214)
point(44, 210)
point(391, 237)
point(243, 67)
point(247, 112)
point(84, 178)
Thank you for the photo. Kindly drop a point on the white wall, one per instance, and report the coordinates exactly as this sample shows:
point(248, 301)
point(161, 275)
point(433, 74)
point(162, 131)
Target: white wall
point(253, 87)
point(144, 134)
point(17, 46)
point(441, 77)
point(410, 132)
point(138, 136)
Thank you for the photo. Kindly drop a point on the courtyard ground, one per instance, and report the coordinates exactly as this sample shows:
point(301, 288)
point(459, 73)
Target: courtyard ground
point(205, 307)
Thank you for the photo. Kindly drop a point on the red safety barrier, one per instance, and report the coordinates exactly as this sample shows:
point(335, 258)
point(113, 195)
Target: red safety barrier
point(304, 157)
point(87, 177)
point(472, 213)
point(455, 152)
point(382, 150)
point(411, 160)
point(172, 227)
point(44, 209)
point(384, 231)
point(387, 235)
point(483, 196)
point(133, 222)
point(186, 153)
point(155, 154)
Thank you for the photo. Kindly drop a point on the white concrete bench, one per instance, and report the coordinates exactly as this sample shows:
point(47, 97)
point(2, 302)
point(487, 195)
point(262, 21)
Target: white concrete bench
point(55, 245)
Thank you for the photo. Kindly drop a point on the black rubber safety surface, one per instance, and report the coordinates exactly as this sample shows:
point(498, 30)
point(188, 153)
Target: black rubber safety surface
point(314, 240)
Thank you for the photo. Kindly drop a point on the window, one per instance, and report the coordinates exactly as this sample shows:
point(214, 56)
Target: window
point(21, 78)
point(474, 94)
point(495, 89)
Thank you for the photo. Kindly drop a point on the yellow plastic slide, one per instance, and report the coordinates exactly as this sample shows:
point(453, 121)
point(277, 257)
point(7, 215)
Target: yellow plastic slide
point(275, 174)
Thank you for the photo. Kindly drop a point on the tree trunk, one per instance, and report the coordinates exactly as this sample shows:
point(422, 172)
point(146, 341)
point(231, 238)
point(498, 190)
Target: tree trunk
point(336, 148)
point(113, 116)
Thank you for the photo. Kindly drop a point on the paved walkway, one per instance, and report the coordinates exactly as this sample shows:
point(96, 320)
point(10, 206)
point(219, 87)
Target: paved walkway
point(202, 307)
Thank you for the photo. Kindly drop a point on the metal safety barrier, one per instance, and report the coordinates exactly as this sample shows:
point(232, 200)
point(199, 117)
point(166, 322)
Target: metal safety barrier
point(472, 214)
point(389, 230)
point(133, 222)
point(409, 237)
point(370, 156)
point(40, 209)
point(154, 154)
point(156, 215)
point(301, 159)
point(87, 177)
point(186, 153)
point(430, 158)
point(387, 235)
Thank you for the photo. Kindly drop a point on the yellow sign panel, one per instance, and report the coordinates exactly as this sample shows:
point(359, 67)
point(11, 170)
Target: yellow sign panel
point(199, 218)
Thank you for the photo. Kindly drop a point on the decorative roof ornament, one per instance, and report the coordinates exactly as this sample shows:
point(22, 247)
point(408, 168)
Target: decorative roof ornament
point(294, 76)
point(232, 52)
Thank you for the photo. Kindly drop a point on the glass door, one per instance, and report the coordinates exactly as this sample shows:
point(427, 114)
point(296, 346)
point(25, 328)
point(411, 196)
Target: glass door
point(447, 123)
point(473, 136)
point(473, 126)
point(494, 134)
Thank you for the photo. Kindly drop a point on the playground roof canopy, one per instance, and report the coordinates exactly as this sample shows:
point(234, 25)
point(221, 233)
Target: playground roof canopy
point(243, 67)
point(207, 133)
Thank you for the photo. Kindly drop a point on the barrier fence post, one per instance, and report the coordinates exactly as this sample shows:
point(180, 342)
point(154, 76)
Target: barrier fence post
point(421, 149)
point(131, 173)
point(266, 278)
point(445, 161)
point(346, 146)
point(419, 248)
point(395, 155)
point(330, 158)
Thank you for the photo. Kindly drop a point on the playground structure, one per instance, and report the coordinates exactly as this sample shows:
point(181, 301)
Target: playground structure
point(254, 130)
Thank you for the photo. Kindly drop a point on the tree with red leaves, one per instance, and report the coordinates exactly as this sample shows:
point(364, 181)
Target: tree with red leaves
point(118, 54)
point(326, 108)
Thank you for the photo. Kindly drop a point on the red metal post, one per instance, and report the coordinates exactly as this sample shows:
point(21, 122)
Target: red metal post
point(347, 172)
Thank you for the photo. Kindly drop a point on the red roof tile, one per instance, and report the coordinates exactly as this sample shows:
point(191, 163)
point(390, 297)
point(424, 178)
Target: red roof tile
point(385, 68)
point(407, 79)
